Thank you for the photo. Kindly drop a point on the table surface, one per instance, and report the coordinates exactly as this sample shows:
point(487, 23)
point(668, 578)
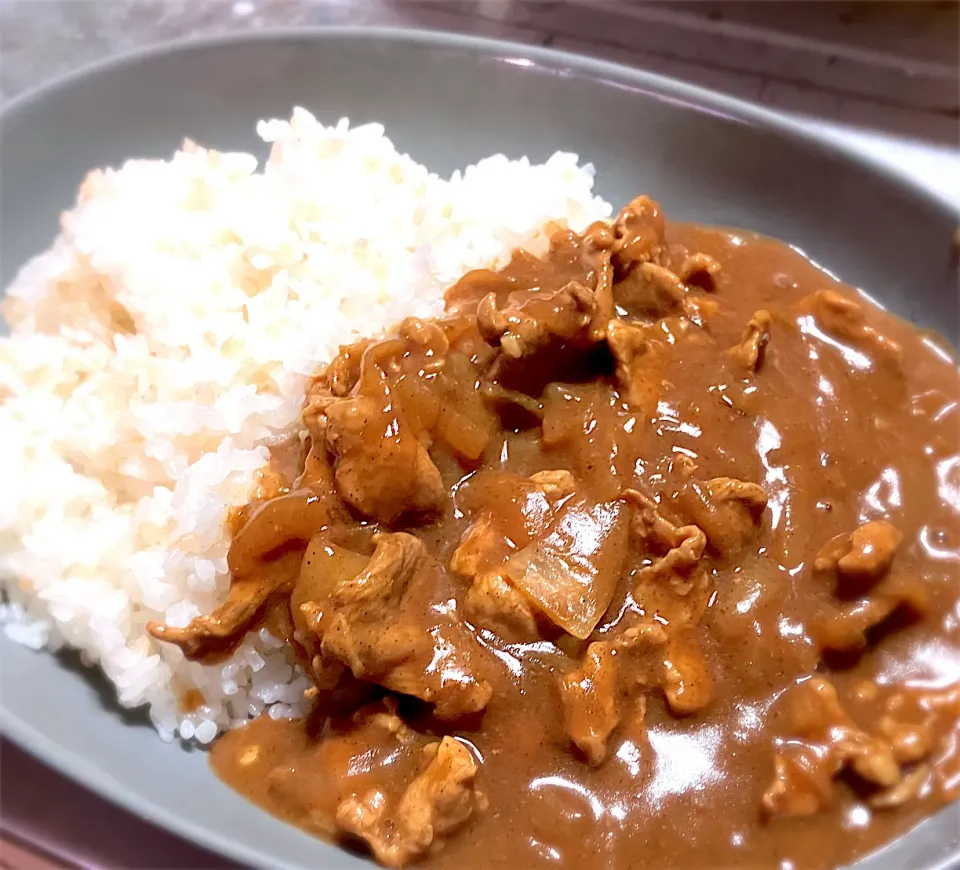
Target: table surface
point(882, 77)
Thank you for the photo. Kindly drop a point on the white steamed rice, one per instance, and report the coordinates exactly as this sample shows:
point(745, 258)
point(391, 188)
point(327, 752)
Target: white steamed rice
point(162, 345)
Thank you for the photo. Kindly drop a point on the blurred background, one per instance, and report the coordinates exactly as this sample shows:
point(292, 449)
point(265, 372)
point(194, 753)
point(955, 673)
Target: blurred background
point(883, 77)
point(886, 74)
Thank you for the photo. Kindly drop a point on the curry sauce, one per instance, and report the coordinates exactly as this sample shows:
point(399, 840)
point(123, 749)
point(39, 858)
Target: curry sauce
point(644, 555)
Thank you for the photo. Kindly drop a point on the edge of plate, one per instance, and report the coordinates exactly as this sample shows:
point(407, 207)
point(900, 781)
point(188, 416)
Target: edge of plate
point(75, 767)
point(654, 84)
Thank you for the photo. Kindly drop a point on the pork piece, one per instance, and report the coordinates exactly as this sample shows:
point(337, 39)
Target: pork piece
point(844, 320)
point(316, 400)
point(261, 571)
point(530, 322)
point(605, 308)
point(747, 352)
point(593, 694)
point(669, 658)
point(686, 679)
point(325, 564)
point(335, 381)
point(650, 530)
point(427, 335)
point(847, 626)
point(213, 637)
point(368, 745)
point(651, 291)
point(642, 636)
point(728, 510)
point(382, 469)
point(700, 270)
point(344, 370)
point(556, 484)
point(638, 234)
point(570, 572)
point(590, 701)
point(674, 551)
point(920, 723)
point(682, 557)
point(512, 511)
point(570, 554)
point(482, 547)
point(359, 607)
point(909, 742)
point(866, 593)
point(492, 602)
point(823, 742)
point(391, 624)
point(640, 360)
point(909, 787)
point(860, 559)
point(438, 801)
point(671, 581)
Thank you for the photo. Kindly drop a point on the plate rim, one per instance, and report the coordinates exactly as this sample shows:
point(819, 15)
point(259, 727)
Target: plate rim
point(696, 97)
point(654, 84)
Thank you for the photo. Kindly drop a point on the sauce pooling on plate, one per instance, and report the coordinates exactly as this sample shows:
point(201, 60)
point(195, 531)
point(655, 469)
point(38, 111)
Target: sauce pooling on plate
point(644, 555)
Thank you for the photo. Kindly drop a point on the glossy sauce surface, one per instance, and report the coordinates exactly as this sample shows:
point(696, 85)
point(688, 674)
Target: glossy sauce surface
point(785, 706)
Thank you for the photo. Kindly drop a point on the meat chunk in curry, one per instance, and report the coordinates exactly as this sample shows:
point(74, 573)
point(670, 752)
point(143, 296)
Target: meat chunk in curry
point(642, 555)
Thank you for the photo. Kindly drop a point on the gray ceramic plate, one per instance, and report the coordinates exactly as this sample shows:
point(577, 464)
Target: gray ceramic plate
point(449, 100)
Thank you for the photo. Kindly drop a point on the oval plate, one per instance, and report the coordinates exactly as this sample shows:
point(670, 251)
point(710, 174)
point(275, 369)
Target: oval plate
point(448, 100)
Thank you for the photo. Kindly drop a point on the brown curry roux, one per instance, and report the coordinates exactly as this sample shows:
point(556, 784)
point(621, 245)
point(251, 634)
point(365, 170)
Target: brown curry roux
point(644, 556)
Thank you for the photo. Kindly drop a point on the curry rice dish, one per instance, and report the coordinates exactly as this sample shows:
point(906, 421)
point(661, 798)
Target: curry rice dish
point(658, 520)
